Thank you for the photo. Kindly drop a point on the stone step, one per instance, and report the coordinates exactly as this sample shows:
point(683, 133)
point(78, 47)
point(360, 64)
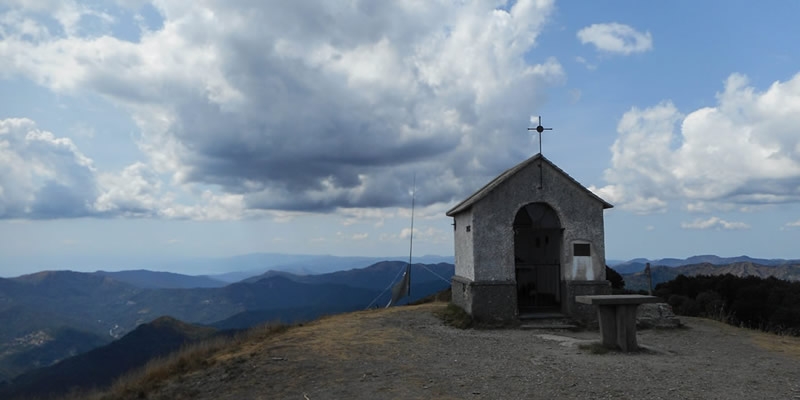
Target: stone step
point(547, 321)
point(548, 326)
point(541, 316)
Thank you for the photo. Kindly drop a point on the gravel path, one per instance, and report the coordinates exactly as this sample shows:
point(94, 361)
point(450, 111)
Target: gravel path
point(407, 353)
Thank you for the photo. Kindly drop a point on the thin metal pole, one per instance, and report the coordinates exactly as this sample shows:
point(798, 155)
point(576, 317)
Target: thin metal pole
point(540, 139)
point(411, 242)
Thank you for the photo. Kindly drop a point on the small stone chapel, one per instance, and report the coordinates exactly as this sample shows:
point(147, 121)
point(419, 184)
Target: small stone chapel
point(527, 243)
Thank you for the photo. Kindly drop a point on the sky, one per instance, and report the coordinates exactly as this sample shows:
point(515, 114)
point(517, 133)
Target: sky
point(137, 132)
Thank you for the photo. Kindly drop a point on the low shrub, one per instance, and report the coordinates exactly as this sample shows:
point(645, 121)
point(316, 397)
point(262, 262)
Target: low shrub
point(455, 316)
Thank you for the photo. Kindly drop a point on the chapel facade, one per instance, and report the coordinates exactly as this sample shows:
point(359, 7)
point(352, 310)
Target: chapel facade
point(529, 242)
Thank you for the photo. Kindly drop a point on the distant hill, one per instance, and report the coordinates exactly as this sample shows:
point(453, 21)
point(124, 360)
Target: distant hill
point(376, 276)
point(786, 271)
point(638, 264)
point(99, 367)
point(61, 298)
point(162, 280)
point(250, 265)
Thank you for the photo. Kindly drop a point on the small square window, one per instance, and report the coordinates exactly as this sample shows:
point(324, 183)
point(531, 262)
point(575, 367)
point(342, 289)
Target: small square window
point(469, 228)
point(581, 250)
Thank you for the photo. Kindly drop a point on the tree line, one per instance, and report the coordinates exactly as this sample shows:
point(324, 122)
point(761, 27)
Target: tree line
point(770, 304)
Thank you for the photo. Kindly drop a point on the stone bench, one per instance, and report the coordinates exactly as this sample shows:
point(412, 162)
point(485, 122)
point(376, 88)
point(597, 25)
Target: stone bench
point(617, 316)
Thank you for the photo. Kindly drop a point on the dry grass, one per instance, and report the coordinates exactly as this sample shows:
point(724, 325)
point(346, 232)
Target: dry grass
point(191, 358)
point(788, 345)
point(330, 337)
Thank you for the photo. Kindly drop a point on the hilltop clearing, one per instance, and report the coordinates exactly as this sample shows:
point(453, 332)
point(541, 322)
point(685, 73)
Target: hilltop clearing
point(406, 352)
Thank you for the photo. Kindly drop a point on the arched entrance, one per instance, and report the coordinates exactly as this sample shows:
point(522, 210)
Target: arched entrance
point(537, 258)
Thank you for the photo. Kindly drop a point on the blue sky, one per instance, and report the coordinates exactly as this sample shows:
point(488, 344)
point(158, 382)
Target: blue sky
point(137, 133)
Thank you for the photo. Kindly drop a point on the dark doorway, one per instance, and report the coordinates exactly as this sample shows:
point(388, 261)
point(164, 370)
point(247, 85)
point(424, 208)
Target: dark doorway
point(537, 258)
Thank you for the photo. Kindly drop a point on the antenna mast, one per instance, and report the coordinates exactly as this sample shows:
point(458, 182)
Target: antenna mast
point(411, 241)
point(403, 288)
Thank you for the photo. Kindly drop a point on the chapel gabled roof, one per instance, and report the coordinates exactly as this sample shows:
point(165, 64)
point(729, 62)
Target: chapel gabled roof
point(489, 187)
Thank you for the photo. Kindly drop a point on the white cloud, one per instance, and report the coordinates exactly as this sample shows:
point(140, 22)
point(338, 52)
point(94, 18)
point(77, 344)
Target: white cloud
point(376, 216)
point(428, 234)
point(282, 106)
point(587, 64)
point(795, 224)
point(714, 223)
point(133, 192)
point(616, 38)
point(743, 153)
point(41, 175)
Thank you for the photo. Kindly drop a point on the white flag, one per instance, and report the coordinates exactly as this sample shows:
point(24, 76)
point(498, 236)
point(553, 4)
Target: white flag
point(403, 288)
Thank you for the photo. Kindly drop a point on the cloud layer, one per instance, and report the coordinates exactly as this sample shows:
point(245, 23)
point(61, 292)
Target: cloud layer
point(292, 107)
point(616, 38)
point(43, 176)
point(742, 153)
point(714, 223)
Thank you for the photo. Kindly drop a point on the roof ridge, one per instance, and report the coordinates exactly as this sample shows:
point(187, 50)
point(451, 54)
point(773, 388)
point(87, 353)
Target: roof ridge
point(505, 175)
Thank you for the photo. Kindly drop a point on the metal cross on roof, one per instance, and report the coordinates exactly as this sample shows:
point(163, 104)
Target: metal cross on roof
point(540, 129)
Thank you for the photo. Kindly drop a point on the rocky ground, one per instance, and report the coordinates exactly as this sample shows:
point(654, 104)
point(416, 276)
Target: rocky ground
point(407, 353)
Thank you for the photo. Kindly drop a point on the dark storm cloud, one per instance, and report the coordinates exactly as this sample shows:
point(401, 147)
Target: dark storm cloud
point(343, 105)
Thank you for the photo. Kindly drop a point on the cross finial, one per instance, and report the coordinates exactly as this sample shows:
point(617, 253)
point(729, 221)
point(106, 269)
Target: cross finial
point(540, 129)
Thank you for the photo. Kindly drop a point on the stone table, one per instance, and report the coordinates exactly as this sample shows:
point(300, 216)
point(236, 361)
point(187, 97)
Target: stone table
point(617, 316)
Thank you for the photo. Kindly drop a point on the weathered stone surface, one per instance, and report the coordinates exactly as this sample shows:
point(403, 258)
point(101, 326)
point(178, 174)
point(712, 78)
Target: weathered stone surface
point(584, 313)
point(615, 299)
point(617, 316)
point(656, 315)
point(486, 268)
point(488, 302)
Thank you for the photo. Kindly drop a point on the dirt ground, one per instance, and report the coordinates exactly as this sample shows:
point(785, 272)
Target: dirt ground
point(407, 353)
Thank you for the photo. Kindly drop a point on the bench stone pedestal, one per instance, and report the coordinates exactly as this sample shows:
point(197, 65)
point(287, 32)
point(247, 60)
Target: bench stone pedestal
point(617, 317)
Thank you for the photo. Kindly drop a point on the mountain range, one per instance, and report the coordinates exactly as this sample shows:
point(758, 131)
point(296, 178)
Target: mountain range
point(146, 279)
point(789, 271)
point(39, 311)
point(638, 264)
